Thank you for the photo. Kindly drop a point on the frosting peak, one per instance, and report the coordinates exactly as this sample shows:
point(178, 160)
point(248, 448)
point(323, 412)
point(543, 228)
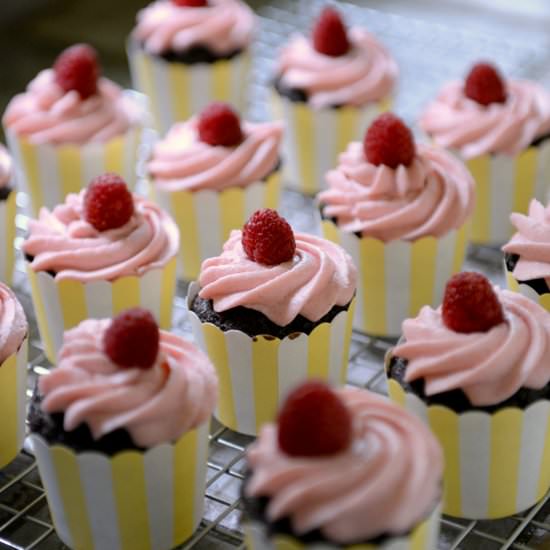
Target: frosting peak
point(430, 197)
point(13, 323)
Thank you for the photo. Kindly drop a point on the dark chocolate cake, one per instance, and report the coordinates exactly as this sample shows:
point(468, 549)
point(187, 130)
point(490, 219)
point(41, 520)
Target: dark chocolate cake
point(538, 285)
point(197, 54)
point(5, 193)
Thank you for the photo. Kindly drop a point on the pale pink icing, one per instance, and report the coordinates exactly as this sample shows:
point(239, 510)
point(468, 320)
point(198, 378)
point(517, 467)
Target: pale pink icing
point(365, 74)
point(5, 167)
point(455, 121)
point(155, 405)
point(45, 113)
point(181, 161)
point(223, 26)
point(432, 196)
point(488, 366)
point(13, 323)
point(62, 241)
point(320, 276)
point(531, 243)
point(386, 482)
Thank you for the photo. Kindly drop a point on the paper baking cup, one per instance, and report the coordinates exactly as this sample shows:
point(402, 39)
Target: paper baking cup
point(177, 91)
point(61, 305)
point(422, 537)
point(205, 218)
point(138, 501)
point(256, 374)
point(7, 223)
point(542, 299)
point(13, 387)
point(504, 185)
point(396, 279)
point(496, 464)
point(49, 173)
point(313, 139)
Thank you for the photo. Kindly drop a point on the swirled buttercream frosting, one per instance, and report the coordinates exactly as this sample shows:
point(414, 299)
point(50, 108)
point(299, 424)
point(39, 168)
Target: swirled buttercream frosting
point(64, 243)
point(386, 482)
point(45, 113)
point(458, 122)
point(181, 161)
point(155, 405)
point(223, 26)
point(489, 367)
point(320, 276)
point(365, 74)
point(430, 197)
point(5, 167)
point(13, 323)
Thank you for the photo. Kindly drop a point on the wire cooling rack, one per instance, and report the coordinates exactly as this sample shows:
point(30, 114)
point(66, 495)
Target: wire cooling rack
point(428, 55)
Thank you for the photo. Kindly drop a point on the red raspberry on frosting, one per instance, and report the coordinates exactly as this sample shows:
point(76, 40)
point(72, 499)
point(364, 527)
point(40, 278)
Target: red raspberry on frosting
point(77, 68)
point(470, 304)
point(132, 339)
point(485, 85)
point(389, 141)
point(108, 203)
point(314, 422)
point(329, 34)
point(220, 125)
point(268, 238)
point(190, 3)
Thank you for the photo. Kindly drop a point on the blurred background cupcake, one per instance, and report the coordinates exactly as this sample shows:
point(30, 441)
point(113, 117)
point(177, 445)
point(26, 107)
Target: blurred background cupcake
point(8, 209)
point(328, 87)
point(185, 54)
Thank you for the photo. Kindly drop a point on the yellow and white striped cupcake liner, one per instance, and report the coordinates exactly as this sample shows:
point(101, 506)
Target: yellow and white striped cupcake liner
point(134, 500)
point(61, 305)
point(542, 299)
point(8, 209)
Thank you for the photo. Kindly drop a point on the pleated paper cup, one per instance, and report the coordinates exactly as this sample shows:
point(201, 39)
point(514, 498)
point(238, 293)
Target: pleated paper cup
point(176, 91)
point(397, 278)
point(205, 218)
point(61, 305)
point(496, 464)
point(133, 500)
point(313, 139)
point(13, 387)
point(48, 173)
point(504, 185)
point(423, 537)
point(256, 374)
point(513, 284)
point(7, 224)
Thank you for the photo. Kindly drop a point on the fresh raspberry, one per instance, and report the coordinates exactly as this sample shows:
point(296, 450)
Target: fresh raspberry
point(107, 202)
point(388, 141)
point(190, 3)
point(220, 125)
point(470, 304)
point(132, 339)
point(485, 85)
point(267, 238)
point(77, 68)
point(314, 422)
point(329, 34)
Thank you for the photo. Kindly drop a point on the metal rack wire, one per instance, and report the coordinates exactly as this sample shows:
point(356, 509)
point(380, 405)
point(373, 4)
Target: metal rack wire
point(25, 521)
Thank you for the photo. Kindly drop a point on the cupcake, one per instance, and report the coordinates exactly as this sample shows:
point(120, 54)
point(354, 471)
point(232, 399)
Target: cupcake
point(342, 469)
point(7, 216)
point(212, 173)
point(501, 129)
point(477, 370)
point(186, 53)
point(327, 89)
point(13, 375)
point(69, 126)
point(274, 308)
point(401, 211)
point(119, 429)
point(99, 252)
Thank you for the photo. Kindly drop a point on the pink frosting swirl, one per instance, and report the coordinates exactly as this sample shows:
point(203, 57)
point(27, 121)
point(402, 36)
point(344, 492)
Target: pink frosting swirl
point(13, 323)
point(181, 161)
point(223, 26)
point(62, 241)
point(45, 113)
point(5, 167)
point(320, 276)
point(366, 73)
point(489, 367)
point(456, 121)
point(386, 482)
point(432, 196)
point(156, 405)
